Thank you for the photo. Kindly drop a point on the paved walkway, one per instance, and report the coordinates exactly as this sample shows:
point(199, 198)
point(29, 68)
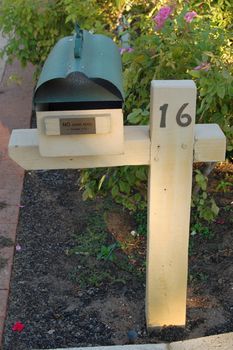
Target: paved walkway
point(3, 42)
point(15, 112)
point(215, 342)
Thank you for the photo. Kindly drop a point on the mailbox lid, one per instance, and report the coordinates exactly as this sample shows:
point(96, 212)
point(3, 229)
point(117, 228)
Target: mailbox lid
point(94, 76)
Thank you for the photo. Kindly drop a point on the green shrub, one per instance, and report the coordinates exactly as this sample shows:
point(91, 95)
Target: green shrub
point(200, 50)
point(32, 27)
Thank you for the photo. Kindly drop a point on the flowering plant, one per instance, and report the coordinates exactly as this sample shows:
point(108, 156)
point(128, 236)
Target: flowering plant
point(162, 16)
point(169, 42)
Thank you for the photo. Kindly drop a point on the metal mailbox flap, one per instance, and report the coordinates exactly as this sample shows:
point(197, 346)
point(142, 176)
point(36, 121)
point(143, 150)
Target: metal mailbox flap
point(83, 67)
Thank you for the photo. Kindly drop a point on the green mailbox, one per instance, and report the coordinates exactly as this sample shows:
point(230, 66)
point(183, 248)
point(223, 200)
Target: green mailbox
point(79, 97)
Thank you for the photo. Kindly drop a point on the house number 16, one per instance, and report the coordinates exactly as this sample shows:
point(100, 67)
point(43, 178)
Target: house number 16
point(181, 119)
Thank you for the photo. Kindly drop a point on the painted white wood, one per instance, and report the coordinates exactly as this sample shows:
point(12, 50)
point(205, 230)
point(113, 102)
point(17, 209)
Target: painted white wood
point(169, 199)
point(210, 143)
point(24, 149)
point(103, 124)
point(108, 139)
point(52, 126)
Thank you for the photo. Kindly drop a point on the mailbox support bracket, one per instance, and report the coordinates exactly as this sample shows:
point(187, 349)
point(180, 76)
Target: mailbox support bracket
point(169, 146)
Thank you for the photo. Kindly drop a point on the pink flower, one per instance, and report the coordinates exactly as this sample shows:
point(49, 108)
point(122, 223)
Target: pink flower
point(130, 49)
point(162, 16)
point(220, 222)
point(190, 16)
point(126, 49)
point(18, 248)
point(18, 327)
point(203, 66)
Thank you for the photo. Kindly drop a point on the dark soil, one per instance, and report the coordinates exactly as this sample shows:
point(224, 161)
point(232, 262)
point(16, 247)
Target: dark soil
point(74, 284)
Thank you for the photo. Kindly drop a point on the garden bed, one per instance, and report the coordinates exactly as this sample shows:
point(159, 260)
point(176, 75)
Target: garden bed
point(79, 270)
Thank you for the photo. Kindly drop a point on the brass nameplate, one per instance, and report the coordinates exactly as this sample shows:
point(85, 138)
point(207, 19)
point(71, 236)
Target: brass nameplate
point(77, 126)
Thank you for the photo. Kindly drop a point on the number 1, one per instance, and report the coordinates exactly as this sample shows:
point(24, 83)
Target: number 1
point(163, 109)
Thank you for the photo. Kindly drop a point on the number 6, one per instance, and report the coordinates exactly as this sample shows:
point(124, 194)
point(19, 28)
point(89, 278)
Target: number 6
point(180, 117)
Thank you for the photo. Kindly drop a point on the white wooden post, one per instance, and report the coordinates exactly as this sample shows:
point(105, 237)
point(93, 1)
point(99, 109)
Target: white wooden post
point(169, 151)
point(169, 196)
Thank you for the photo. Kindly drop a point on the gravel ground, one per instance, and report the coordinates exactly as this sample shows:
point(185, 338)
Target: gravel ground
point(67, 297)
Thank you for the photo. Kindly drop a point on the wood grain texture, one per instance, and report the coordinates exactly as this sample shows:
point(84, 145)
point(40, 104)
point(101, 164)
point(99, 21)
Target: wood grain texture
point(169, 200)
point(24, 150)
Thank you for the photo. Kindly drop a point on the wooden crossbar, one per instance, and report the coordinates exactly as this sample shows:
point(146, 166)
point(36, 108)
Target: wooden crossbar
point(209, 145)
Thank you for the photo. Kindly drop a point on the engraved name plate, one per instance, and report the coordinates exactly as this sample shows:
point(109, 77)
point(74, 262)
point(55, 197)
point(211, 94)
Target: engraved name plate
point(77, 126)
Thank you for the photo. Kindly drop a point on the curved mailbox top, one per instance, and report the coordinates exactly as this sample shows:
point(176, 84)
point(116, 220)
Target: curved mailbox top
point(86, 68)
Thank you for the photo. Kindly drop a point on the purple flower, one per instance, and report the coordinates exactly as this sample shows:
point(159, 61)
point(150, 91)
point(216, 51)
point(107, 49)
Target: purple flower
point(126, 49)
point(203, 66)
point(190, 16)
point(130, 49)
point(162, 16)
point(18, 248)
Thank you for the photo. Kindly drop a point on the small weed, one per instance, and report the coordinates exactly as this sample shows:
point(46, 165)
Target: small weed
point(5, 242)
point(204, 231)
point(198, 277)
point(85, 278)
point(107, 252)
point(100, 259)
point(228, 208)
point(225, 186)
point(191, 245)
point(3, 205)
point(206, 207)
point(140, 218)
point(97, 279)
point(90, 241)
point(3, 262)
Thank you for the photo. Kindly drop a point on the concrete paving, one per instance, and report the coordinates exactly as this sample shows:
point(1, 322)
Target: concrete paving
point(15, 112)
point(3, 42)
point(121, 347)
point(215, 342)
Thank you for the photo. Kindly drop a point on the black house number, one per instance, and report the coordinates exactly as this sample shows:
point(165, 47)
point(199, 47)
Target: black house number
point(182, 119)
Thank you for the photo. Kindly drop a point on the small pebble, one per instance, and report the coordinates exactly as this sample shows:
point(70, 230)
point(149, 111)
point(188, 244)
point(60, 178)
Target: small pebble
point(132, 336)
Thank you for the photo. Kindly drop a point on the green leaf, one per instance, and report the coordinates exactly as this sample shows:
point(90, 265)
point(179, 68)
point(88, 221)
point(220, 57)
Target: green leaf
point(214, 207)
point(135, 116)
point(195, 73)
point(101, 182)
point(220, 91)
point(141, 173)
point(87, 193)
point(124, 187)
point(204, 195)
point(115, 191)
point(201, 181)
